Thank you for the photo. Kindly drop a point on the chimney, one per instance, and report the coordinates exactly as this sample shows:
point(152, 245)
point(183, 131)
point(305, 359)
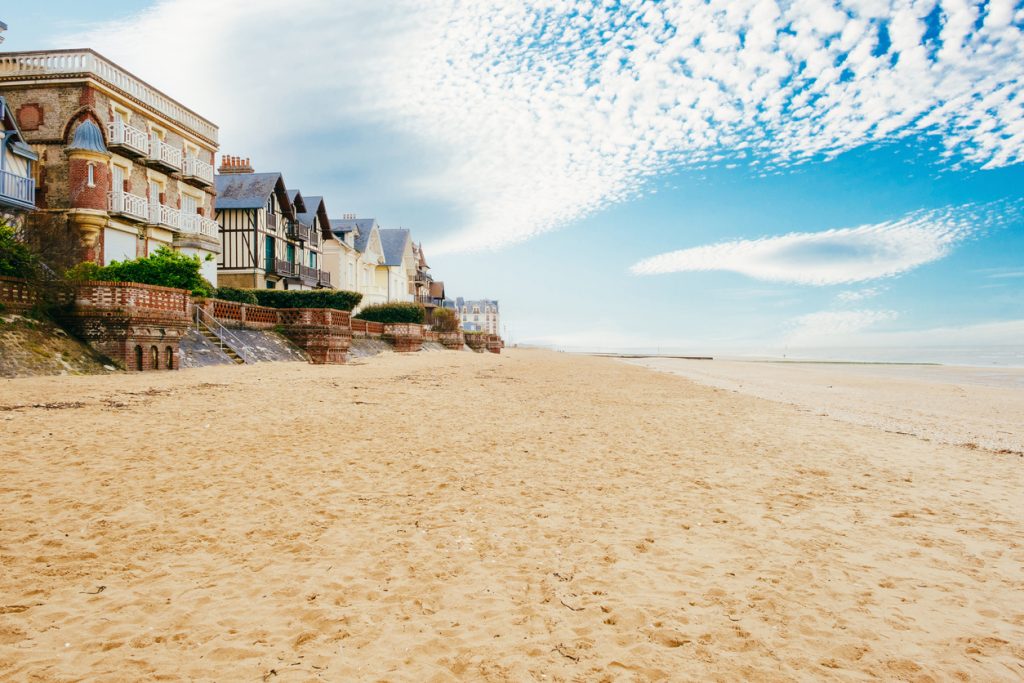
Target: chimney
point(348, 217)
point(231, 164)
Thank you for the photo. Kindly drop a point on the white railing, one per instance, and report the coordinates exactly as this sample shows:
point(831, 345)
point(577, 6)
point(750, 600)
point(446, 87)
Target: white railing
point(19, 188)
point(199, 225)
point(164, 153)
point(164, 215)
point(56, 63)
point(128, 204)
point(194, 167)
point(120, 133)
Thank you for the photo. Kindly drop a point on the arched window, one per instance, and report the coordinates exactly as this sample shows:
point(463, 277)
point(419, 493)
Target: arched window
point(154, 355)
point(138, 357)
point(169, 358)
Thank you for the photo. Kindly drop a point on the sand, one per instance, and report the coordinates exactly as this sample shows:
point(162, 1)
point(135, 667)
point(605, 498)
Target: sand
point(966, 406)
point(453, 516)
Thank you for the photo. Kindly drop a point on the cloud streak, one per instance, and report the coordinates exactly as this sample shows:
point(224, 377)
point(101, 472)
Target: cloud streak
point(540, 112)
point(840, 256)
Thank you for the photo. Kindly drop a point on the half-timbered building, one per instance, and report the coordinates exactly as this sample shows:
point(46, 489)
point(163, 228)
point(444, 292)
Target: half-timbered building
point(267, 237)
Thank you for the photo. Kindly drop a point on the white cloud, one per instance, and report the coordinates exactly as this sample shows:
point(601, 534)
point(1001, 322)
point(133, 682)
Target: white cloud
point(844, 255)
point(536, 113)
point(854, 295)
point(825, 327)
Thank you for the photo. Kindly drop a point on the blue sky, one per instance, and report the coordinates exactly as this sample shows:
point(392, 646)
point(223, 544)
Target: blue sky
point(739, 177)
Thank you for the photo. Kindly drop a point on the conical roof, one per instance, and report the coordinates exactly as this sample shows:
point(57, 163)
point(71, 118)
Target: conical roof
point(88, 137)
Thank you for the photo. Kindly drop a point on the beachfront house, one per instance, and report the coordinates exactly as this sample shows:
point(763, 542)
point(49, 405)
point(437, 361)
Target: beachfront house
point(341, 259)
point(17, 181)
point(271, 239)
point(371, 271)
point(127, 167)
point(480, 315)
point(400, 262)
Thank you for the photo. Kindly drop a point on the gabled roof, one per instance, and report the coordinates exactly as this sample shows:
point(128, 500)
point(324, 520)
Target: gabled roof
point(315, 208)
point(394, 242)
point(363, 226)
point(295, 197)
point(17, 141)
point(250, 191)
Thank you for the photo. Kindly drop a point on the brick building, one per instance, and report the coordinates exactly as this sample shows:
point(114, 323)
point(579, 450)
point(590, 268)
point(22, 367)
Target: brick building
point(129, 168)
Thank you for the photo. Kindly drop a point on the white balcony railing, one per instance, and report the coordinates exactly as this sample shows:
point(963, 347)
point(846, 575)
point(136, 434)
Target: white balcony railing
point(195, 224)
point(120, 134)
point(163, 153)
point(18, 189)
point(194, 167)
point(165, 216)
point(59, 64)
point(127, 204)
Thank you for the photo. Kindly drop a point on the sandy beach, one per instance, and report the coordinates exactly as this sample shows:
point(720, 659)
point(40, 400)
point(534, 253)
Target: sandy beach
point(529, 516)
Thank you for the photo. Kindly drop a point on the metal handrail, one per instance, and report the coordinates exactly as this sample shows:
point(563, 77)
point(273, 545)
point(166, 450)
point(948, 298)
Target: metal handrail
point(220, 332)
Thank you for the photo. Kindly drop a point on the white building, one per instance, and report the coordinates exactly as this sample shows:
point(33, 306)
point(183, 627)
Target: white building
point(481, 315)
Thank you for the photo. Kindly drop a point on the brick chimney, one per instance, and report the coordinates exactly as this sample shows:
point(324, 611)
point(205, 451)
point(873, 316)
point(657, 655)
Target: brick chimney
point(232, 164)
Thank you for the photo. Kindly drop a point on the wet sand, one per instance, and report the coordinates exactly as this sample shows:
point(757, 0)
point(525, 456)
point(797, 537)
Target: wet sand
point(453, 516)
point(972, 407)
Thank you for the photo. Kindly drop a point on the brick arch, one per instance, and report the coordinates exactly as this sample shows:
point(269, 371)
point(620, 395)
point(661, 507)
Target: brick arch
point(80, 116)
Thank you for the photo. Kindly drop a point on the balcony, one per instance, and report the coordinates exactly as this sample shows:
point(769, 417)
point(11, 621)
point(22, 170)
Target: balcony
point(164, 216)
point(163, 155)
point(66, 64)
point(271, 221)
point(194, 224)
point(196, 170)
point(17, 191)
point(298, 231)
point(308, 276)
point(128, 205)
point(325, 279)
point(283, 268)
point(126, 138)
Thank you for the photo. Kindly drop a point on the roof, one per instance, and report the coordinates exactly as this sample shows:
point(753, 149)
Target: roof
point(88, 137)
point(394, 241)
point(365, 226)
point(437, 290)
point(299, 202)
point(246, 190)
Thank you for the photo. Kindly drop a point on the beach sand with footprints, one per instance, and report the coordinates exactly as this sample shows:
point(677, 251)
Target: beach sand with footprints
point(454, 516)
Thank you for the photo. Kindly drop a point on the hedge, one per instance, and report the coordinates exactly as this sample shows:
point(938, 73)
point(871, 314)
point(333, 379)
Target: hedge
point(393, 313)
point(242, 296)
point(314, 298)
point(164, 267)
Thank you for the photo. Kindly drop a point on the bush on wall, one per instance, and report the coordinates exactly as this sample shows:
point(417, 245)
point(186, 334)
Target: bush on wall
point(16, 259)
point(393, 313)
point(445, 320)
point(164, 267)
point(315, 298)
point(242, 296)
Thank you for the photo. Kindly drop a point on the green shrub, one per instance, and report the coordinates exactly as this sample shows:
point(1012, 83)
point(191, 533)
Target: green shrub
point(445, 320)
point(393, 313)
point(242, 296)
point(16, 259)
point(314, 298)
point(165, 267)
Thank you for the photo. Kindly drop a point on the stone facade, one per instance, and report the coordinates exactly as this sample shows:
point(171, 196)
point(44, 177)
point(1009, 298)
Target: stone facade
point(148, 183)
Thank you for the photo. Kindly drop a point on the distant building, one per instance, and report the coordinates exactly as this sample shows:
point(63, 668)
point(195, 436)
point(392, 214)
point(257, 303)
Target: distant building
point(17, 182)
point(3, 27)
point(129, 168)
point(271, 235)
point(481, 315)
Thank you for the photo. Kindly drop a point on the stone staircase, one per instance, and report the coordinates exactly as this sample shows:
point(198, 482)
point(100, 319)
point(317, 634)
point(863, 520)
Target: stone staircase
point(216, 341)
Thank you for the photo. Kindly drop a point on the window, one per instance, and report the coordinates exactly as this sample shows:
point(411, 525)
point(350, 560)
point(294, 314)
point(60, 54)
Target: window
point(117, 175)
point(91, 180)
point(268, 253)
point(291, 253)
point(189, 205)
point(312, 259)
